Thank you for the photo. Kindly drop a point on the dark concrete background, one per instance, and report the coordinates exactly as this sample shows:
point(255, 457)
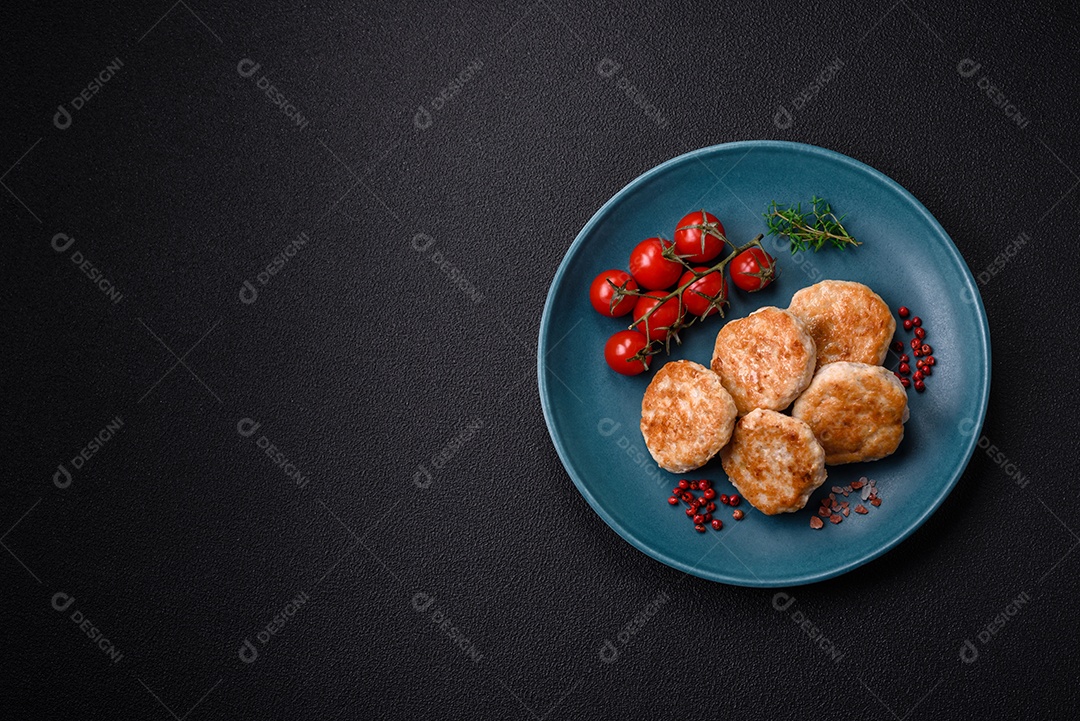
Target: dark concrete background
point(494, 132)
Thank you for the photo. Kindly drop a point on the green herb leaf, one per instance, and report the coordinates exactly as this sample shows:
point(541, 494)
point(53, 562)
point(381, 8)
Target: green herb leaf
point(808, 230)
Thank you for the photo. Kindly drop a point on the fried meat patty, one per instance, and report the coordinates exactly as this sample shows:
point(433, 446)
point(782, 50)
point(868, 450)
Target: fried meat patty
point(686, 416)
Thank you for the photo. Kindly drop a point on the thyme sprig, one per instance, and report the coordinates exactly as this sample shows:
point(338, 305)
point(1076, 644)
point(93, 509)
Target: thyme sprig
point(809, 230)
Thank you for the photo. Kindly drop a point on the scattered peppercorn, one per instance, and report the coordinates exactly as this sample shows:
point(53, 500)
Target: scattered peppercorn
point(700, 508)
point(919, 349)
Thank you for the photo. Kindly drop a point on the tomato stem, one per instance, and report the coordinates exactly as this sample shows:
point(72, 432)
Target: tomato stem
point(706, 227)
point(673, 331)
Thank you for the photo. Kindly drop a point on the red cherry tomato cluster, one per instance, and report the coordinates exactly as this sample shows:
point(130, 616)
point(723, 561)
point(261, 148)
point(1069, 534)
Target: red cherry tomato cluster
point(669, 286)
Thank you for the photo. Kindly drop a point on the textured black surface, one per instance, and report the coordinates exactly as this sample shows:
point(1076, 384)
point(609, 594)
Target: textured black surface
point(362, 361)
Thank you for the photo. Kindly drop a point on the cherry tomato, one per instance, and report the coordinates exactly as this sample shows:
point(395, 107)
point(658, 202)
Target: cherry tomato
point(699, 244)
point(650, 268)
point(623, 346)
point(753, 269)
point(662, 319)
point(711, 285)
point(601, 293)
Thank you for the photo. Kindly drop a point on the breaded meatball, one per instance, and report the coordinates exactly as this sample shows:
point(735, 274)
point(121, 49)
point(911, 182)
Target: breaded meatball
point(765, 360)
point(857, 411)
point(775, 461)
point(686, 416)
point(849, 322)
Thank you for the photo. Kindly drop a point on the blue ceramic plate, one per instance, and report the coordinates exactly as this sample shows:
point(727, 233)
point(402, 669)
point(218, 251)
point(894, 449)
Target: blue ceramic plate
point(906, 256)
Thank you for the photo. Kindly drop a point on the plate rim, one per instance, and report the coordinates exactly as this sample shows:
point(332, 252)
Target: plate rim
point(658, 555)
